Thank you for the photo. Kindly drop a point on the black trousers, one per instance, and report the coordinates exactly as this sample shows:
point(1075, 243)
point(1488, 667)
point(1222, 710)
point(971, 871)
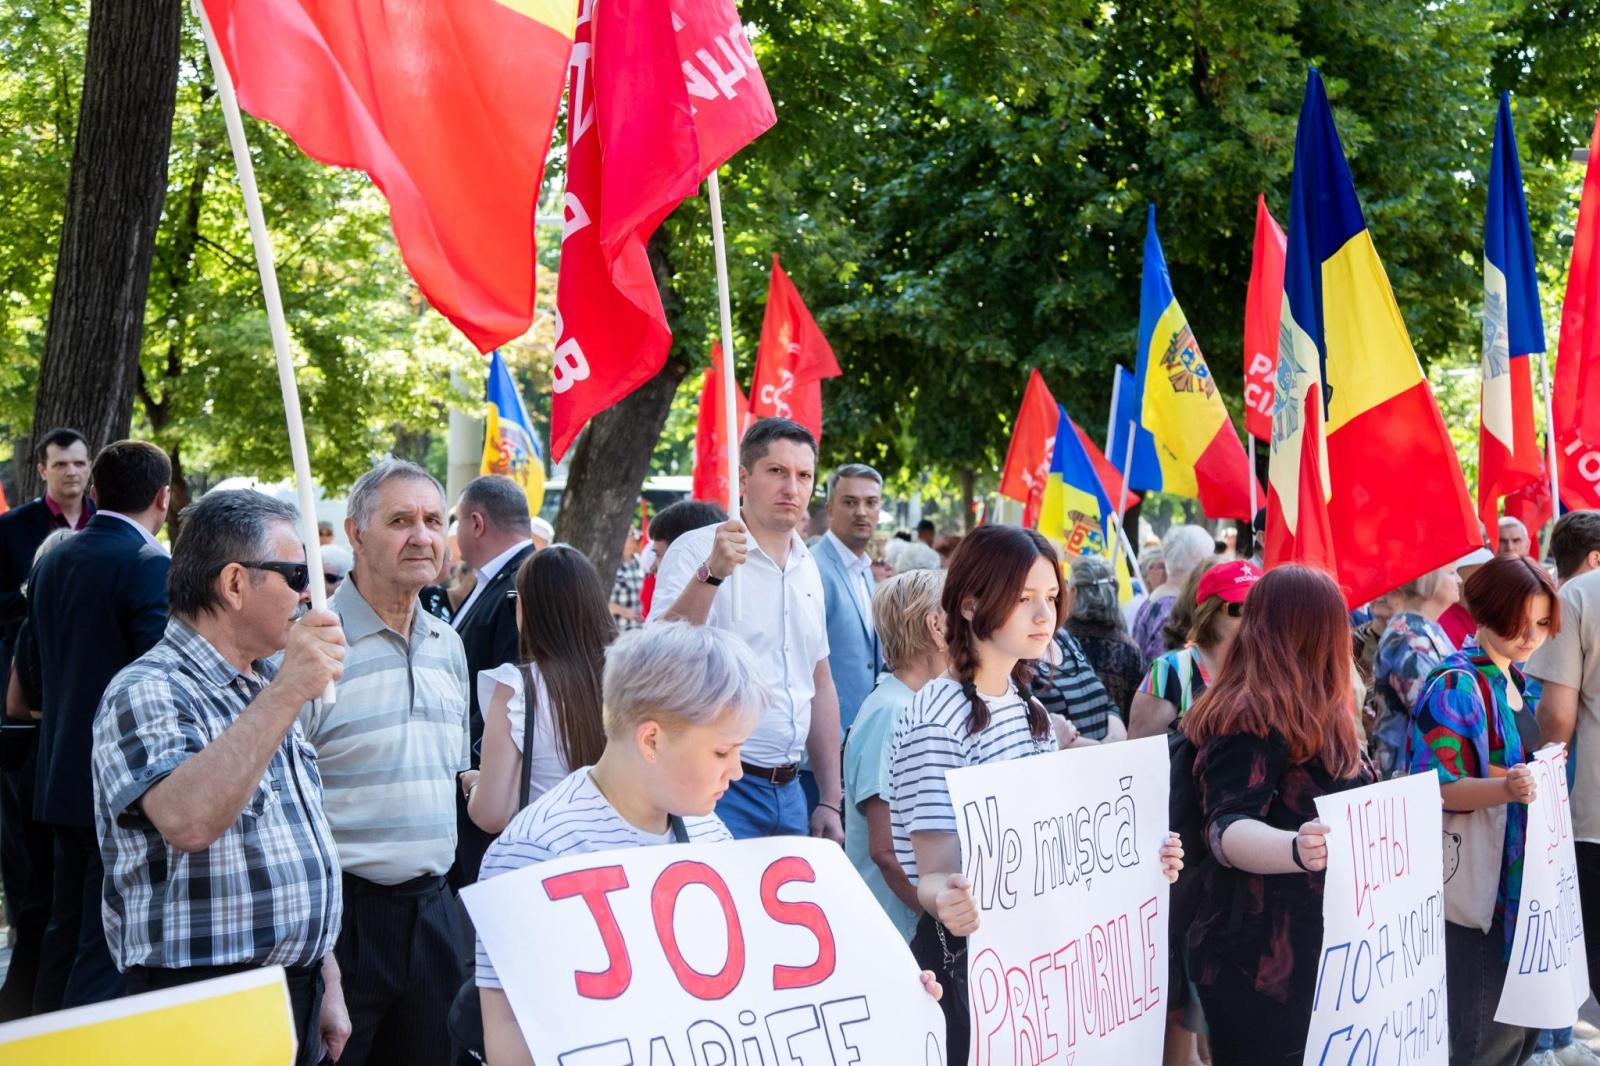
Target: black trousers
point(75, 966)
point(26, 862)
point(941, 951)
point(401, 968)
point(1589, 899)
point(1250, 1029)
point(1474, 976)
point(305, 997)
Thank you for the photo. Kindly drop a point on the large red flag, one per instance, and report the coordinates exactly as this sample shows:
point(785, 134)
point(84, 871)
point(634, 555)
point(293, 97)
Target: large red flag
point(448, 107)
point(792, 359)
point(1263, 311)
point(711, 433)
point(1578, 356)
point(1531, 506)
point(661, 96)
point(1033, 444)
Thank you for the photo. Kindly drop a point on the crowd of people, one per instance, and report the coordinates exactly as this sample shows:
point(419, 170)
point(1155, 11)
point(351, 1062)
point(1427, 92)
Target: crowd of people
point(181, 800)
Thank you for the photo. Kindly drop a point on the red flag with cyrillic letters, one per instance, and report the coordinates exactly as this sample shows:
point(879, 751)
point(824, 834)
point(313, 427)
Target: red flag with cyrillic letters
point(792, 359)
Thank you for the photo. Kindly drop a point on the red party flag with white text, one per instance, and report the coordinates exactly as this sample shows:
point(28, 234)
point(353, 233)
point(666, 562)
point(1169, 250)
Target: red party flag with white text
point(792, 359)
point(1577, 373)
point(1263, 313)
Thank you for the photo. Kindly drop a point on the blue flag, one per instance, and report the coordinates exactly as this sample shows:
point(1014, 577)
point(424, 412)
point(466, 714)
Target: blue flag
point(1127, 401)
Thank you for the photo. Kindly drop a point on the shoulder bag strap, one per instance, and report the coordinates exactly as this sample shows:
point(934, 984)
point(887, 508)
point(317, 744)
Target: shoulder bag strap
point(680, 832)
point(530, 695)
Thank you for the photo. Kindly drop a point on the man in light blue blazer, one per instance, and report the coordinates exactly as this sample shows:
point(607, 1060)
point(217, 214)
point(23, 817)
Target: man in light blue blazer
point(855, 495)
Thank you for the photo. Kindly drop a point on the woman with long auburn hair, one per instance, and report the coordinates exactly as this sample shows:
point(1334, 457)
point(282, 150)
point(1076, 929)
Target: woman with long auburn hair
point(1275, 730)
point(564, 625)
point(1002, 604)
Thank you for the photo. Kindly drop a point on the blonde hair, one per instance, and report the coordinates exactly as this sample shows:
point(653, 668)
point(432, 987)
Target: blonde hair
point(900, 610)
point(679, 674)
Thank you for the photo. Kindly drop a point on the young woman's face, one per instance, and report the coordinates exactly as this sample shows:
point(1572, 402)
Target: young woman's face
point(696, 763)
point(1026, 632)
point(1520, 646)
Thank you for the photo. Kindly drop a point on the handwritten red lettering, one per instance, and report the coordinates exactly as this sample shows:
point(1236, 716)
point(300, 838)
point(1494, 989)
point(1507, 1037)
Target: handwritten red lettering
point(808, 915)
point(593, 885)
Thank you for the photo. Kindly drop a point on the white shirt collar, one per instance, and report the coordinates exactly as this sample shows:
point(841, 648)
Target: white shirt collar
point(488, 570)
point(149, 538)
point(857, 563)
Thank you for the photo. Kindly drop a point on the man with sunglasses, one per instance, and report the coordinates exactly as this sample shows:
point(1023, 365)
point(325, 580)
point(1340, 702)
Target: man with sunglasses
point(207, 797)
point(391, 750)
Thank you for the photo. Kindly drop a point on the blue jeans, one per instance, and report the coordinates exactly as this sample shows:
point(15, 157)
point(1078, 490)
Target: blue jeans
point(755, 808)
point(1555, 1039)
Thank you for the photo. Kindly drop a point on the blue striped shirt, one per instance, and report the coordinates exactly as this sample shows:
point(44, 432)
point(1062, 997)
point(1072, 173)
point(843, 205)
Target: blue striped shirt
point(572, 819)
point(931, 738)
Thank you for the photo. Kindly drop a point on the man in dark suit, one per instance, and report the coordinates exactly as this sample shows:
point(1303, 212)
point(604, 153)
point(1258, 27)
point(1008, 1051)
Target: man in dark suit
point(494, 535)
point(63, 458)
point(95, 605)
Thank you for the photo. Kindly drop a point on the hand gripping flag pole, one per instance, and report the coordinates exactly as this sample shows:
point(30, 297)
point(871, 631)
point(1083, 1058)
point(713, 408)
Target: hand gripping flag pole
point(305, 487)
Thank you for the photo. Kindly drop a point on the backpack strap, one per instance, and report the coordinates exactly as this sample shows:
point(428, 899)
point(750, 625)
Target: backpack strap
point(680, 831)
point(530, 695)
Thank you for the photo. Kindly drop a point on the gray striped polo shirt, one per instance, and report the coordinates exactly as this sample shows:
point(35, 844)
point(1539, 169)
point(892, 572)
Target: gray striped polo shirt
point(392, 744)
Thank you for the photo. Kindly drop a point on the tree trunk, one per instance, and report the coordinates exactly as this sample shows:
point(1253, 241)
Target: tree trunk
point(180, 494)
point(114, 197)
point(609, 465)
point(968, 517)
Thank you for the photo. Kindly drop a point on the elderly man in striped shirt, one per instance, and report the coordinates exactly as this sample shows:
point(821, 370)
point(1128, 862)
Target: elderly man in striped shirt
point(392, 748)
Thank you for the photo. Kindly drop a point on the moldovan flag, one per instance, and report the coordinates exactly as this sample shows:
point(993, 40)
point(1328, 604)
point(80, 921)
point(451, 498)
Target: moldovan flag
point(510, 445)
point(1199, 452)
point(1363, 478)
point(1033, 443)
point(711, 434)
point(448, 107)
point(1577, 376)
point(792, 360)
point(1508, 451)
point(1263, 308)
point(1076, 505)
point(660, 98)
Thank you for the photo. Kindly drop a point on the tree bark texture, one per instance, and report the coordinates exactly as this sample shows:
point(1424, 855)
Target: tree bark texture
point(114, 197)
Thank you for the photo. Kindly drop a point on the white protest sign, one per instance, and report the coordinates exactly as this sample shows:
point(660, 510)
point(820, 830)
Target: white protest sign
point(1069, 961)
point(750, 952)
point(1380, 978)
point(1547, 979)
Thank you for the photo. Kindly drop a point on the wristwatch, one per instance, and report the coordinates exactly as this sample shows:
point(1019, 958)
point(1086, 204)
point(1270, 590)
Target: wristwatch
point(704, 575)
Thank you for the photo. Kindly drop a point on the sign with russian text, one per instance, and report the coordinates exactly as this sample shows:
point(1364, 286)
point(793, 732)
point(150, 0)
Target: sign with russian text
point(756, 951)
point(1547, 977)
point(1380, 978)
point(1069, 961)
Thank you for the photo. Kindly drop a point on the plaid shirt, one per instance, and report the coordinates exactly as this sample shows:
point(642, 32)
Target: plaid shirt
point(266, 892)
point(625, 592)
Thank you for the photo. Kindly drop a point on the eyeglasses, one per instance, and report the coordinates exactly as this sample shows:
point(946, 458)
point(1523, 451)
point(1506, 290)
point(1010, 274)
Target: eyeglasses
point(296, 575)
point(1235, 610)
point(332, 579)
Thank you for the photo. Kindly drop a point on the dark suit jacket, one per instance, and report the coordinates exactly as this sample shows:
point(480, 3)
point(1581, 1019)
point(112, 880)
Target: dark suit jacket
point(95, 604)
point(22, 530)
point(488, 632)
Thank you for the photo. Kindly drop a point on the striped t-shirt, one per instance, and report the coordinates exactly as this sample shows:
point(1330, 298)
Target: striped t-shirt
point(572, 819)
point(930, 738)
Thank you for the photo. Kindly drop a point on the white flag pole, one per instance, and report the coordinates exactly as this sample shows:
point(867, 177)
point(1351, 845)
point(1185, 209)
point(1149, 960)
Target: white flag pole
point(725, 309)
point(305, 487)
point(1550, 436)
point(1122, 504)
point(1252, 439)
point(1111, 416)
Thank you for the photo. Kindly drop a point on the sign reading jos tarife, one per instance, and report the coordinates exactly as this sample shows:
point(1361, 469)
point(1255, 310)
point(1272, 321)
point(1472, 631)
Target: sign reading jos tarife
point(1069, 962)
point(1547, 978)
point(756, 951)
point(1380, 978)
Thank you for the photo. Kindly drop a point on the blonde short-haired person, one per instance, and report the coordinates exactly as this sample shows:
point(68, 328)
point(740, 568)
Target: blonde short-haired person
point(910, 626)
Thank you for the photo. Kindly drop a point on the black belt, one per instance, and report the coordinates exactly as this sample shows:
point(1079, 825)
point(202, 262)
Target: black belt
point(778, 775)
point(426, 885)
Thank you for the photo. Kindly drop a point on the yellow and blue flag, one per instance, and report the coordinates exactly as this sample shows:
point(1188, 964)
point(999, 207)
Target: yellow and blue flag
point(510, 445)
point(1076, 507)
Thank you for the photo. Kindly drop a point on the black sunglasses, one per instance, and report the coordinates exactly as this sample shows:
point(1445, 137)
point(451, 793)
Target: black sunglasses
point(296, 575)
point(1235, 610)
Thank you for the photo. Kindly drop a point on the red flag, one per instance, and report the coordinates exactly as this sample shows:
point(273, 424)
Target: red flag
point(1033, 443)
point(711, 434)
point(792, 359)
point(1110, 476)
point(1578, 356)
point(1263, 308)
point(448, 107)
point(663, 97)
point(1530, 505)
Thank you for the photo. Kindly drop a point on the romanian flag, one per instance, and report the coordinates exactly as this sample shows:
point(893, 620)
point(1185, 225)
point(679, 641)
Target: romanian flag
point(1076, 505)
point(449, 108)
point(1364, 480)
point(1198, 449)
point(1508, 450)
point(510, 446)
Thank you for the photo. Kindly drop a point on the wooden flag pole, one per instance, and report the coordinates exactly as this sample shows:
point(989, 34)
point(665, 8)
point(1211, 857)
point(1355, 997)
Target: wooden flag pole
point(729, 406)
point(278, 327)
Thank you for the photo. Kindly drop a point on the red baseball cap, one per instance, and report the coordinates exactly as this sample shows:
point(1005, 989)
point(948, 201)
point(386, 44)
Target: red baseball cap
point(1231, 581)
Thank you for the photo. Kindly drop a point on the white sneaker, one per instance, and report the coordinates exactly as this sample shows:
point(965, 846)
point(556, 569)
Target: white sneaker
point(1574, 1054)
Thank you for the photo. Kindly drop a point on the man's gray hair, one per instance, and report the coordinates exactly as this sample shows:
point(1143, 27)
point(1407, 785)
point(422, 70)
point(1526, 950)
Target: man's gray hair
point(500, 500)
point(1508, 522)
point(852, 470)
point(916, 556)
point(1184, 548)
point(1094, 593)
point(233, 526)
point(677, 672)
point(364, 495)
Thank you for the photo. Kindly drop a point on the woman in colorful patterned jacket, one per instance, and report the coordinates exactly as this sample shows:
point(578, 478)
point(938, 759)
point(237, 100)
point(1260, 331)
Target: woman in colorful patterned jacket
point(1413, 645)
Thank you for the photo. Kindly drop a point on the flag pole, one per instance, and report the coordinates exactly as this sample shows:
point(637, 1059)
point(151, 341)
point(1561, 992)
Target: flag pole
point(1251, 437)
point(725, 310)
point(1122, 504)
point(279, 329)
point(1550, 436)
point(1111, 416)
